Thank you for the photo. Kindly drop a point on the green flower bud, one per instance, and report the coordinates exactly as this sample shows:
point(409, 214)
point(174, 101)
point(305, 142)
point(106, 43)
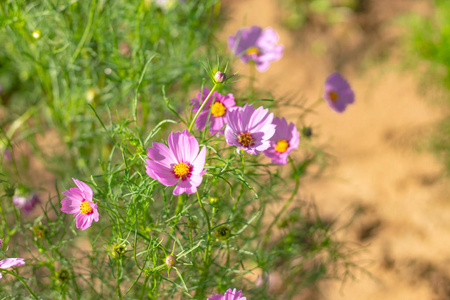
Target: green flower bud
point(223, 232)
point(63, 275)
point(118, 251)
point(213, 200)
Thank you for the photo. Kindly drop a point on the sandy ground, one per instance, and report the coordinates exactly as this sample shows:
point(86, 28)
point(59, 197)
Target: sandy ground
point(397, 191)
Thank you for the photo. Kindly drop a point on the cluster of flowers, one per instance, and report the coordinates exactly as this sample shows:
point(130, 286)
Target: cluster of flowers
point(181, 163)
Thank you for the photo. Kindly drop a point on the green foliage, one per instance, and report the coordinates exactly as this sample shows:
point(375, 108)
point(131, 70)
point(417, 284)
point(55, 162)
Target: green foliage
point(429, 40)
point(109, 78)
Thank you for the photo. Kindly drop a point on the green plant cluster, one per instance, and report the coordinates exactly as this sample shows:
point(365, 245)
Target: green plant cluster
point(109, 78)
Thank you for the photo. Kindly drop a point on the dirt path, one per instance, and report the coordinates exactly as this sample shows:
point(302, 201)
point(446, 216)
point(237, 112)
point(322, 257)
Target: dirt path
point(396, 190)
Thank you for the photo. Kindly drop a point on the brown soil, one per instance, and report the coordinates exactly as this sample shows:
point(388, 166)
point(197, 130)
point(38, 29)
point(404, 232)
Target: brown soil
point(395, 190)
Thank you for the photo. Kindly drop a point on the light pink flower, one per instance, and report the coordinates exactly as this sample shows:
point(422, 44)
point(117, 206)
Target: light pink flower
point(229, 295)
point(257, 45)
point(249, 129)
point(180, 164)
point(11, 262)
point(285, 139)
point(78, 201)
point(221, 105)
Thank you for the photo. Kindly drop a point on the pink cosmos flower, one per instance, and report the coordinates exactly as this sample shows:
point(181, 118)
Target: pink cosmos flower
point(78, 201)
point(249, 129)
point(26, 202)
point(257, 45)
point(338, 93)
point(179, 164)
point(285, 139)
point(229, 295)
point(11, 262)
point(221, 105)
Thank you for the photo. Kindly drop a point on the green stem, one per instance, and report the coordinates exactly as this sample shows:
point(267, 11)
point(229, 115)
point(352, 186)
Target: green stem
point(86, 31)
point(286, 205)
point(242, 184)
point(144, 287)
point(23, 282)
point(201, 107)
point(119, 293)
point(209, 228)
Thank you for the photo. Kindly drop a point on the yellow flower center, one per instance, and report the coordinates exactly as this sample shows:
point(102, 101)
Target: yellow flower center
point(245, 139)
point(85, 207)
point(282, 146)
point(333, 96)
point(181, 170)
point(252, 50)
point(218, 110)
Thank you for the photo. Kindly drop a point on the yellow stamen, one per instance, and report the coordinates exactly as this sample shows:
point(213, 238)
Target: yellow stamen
point(85, 207)
point(333, 96)
point(282, 146)
point(218, 110)
point(252, 50)
point(181, 170)
point(245, 139)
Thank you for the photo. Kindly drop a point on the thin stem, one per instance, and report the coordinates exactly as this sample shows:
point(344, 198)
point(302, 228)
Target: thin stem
point(144, 287)
point(23, 282)
point(201, 107)
point(286, 205)
point(209, 228)
point(119, 293)
point(242, 184)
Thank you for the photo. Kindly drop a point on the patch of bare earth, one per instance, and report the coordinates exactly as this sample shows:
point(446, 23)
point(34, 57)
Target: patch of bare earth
point(395, 191)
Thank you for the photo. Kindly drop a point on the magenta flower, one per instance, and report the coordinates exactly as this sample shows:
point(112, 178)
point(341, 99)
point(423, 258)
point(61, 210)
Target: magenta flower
point(285, 139)
point(257, 45)
point(179, 164)
point(229, 295)
point(249, 129)
point(11, 262)
point(221, 105)
point(78, 201)
point(338, 93)
point(26, 201)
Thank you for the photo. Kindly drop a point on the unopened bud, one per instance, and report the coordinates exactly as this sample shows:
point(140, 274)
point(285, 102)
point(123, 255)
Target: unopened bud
point(223, 232)
point(220, 77)
point(192, 224)
point(213, 200)
point(171, 261)
point(307, 131)
point(63, 275)
point(118, 250)
point(1, 243)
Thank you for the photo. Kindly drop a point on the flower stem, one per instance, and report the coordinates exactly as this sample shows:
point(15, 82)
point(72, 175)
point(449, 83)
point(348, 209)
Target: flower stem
point(201, 107)
point(242, 184)
point(286, 205)
point(209, 229)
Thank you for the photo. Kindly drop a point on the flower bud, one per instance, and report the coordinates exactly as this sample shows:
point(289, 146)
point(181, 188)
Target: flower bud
point(192, 224)
point(39, 231)
point(171, 261)
point(220, 77)
point(213, 200)
point(307, 131)
point(63, 275)
point(223, 232)
point(1, 243)
point(118, 250)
